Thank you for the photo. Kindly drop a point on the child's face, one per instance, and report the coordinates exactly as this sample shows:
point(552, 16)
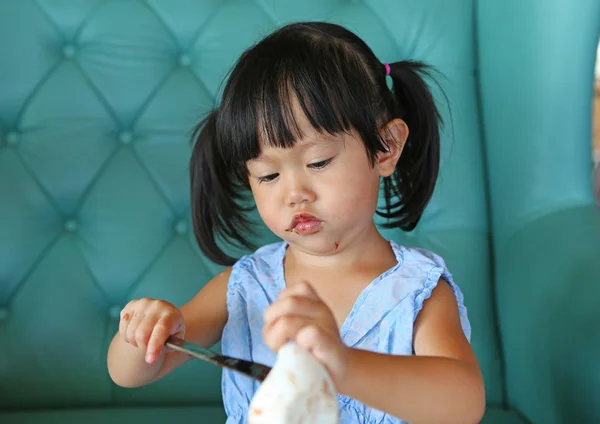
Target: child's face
point(319, 195)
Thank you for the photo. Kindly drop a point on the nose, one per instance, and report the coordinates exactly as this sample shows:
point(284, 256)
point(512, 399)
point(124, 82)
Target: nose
point(298, 191)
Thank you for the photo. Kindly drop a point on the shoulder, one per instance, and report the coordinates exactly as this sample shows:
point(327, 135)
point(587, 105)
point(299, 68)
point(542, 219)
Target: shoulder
point(428, 276)
point(259, 265)
point(419, 257)
point(424, 267)
point(265, 256)
point(406, 286)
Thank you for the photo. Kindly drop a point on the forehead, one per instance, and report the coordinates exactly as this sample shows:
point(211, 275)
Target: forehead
point(290, 115)
point(305, 135)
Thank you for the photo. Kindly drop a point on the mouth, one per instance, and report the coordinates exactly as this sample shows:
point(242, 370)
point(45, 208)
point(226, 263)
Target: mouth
point(304, 224)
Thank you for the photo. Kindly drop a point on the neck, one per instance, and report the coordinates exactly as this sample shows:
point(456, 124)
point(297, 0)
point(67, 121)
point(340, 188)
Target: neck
point(367, 247)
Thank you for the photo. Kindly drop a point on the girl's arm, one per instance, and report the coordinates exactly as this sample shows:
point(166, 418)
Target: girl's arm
point(204, 316)
point(441, 384)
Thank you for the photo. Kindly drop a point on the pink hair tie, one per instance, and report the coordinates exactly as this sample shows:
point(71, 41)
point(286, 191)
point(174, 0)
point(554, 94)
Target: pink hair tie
point(387, 69)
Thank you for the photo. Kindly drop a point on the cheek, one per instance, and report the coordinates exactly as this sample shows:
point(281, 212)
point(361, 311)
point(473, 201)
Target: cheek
point(356, 196)
point(268, 213)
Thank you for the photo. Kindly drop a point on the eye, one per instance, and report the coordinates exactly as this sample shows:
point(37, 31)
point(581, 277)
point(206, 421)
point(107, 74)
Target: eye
point(267, 178)
point(320, 165)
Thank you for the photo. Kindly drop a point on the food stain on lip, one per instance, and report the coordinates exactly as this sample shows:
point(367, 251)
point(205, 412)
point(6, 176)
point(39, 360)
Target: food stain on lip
point(304, 224)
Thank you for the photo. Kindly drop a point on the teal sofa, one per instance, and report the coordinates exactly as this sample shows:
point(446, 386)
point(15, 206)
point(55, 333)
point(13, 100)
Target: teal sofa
point(97, 102)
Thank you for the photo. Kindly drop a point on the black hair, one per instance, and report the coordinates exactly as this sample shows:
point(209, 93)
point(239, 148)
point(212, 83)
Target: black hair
point(340, 85)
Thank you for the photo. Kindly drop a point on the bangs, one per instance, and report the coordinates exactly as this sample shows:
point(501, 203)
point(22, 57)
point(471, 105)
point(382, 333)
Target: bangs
point(279, 79)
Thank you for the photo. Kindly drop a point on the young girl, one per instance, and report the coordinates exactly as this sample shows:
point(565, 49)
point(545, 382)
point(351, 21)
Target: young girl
point(309, 126)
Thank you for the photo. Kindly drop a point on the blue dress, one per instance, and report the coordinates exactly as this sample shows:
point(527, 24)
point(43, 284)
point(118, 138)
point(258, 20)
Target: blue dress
point(381, 320)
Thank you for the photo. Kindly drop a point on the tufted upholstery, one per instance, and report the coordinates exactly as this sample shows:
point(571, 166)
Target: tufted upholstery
point(97, 100)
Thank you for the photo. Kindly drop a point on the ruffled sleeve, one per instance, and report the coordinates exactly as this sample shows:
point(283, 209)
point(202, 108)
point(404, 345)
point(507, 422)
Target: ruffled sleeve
point(440, 270)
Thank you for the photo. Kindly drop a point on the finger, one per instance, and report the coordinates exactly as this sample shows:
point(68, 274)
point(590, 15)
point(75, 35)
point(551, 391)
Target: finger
point(124, 323)
point(161, 331)
point(283, 330)
point(323, 348)
point(311, 338)
point(143, 331)
point(126, 314)
point(135, 320)
point(301, 288)
point(292, 305)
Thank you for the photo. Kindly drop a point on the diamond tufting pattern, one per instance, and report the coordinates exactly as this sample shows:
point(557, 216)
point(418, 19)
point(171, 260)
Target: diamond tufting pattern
point(98, 100)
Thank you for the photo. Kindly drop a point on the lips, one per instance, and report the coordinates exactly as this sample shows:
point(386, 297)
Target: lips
point(304, 224)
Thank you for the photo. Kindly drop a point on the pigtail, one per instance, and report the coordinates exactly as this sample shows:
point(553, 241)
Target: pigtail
point(215, 197)
point(409, 189)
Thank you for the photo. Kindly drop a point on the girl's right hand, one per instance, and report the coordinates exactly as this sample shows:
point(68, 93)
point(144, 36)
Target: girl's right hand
point(147, 323)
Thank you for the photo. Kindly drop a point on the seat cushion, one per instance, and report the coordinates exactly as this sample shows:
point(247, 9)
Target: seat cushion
point(200, 414)
point(146, 415)
point(502, 416)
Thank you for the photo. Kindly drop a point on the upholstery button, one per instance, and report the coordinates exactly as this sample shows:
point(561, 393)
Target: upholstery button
point(3, 313)
point(69, 51)
point(114, 312)
point(126, 137)
point(71, 225)
point(185, 60)
point(12, 138)
point(181, 227)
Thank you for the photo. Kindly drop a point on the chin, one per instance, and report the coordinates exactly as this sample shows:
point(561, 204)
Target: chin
point(314, 245)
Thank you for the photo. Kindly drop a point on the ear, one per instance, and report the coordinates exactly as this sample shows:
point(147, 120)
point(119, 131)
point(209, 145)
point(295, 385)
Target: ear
point(395, 134)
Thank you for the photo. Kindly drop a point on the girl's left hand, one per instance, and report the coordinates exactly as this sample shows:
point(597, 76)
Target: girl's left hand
point(299, 314)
